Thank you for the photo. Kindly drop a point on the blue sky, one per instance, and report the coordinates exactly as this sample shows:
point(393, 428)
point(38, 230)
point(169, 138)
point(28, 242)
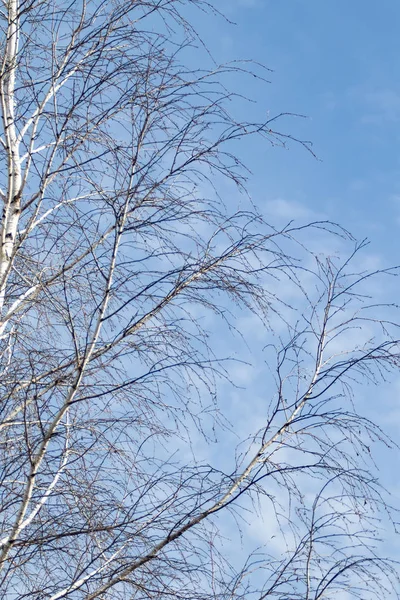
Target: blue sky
point(338, 63)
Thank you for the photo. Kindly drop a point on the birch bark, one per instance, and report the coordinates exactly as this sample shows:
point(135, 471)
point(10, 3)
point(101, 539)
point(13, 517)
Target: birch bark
point(12, 196)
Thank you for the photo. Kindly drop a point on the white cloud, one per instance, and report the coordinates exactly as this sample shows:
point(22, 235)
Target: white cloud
point(289, 210)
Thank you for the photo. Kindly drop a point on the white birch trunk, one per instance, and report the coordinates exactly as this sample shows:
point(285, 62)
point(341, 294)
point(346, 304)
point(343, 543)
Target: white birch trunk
point(12, 199)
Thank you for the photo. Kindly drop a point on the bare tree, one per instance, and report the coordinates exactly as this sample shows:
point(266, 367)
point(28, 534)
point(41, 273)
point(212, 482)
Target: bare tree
point(114, 245)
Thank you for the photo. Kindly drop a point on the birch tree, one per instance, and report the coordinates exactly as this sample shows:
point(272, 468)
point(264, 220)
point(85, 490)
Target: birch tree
point(115, 244)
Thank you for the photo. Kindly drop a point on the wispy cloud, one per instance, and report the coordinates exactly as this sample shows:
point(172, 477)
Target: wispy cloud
point(288, 209)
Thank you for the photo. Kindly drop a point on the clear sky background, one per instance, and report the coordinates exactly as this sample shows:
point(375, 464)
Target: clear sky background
point(338, 63)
